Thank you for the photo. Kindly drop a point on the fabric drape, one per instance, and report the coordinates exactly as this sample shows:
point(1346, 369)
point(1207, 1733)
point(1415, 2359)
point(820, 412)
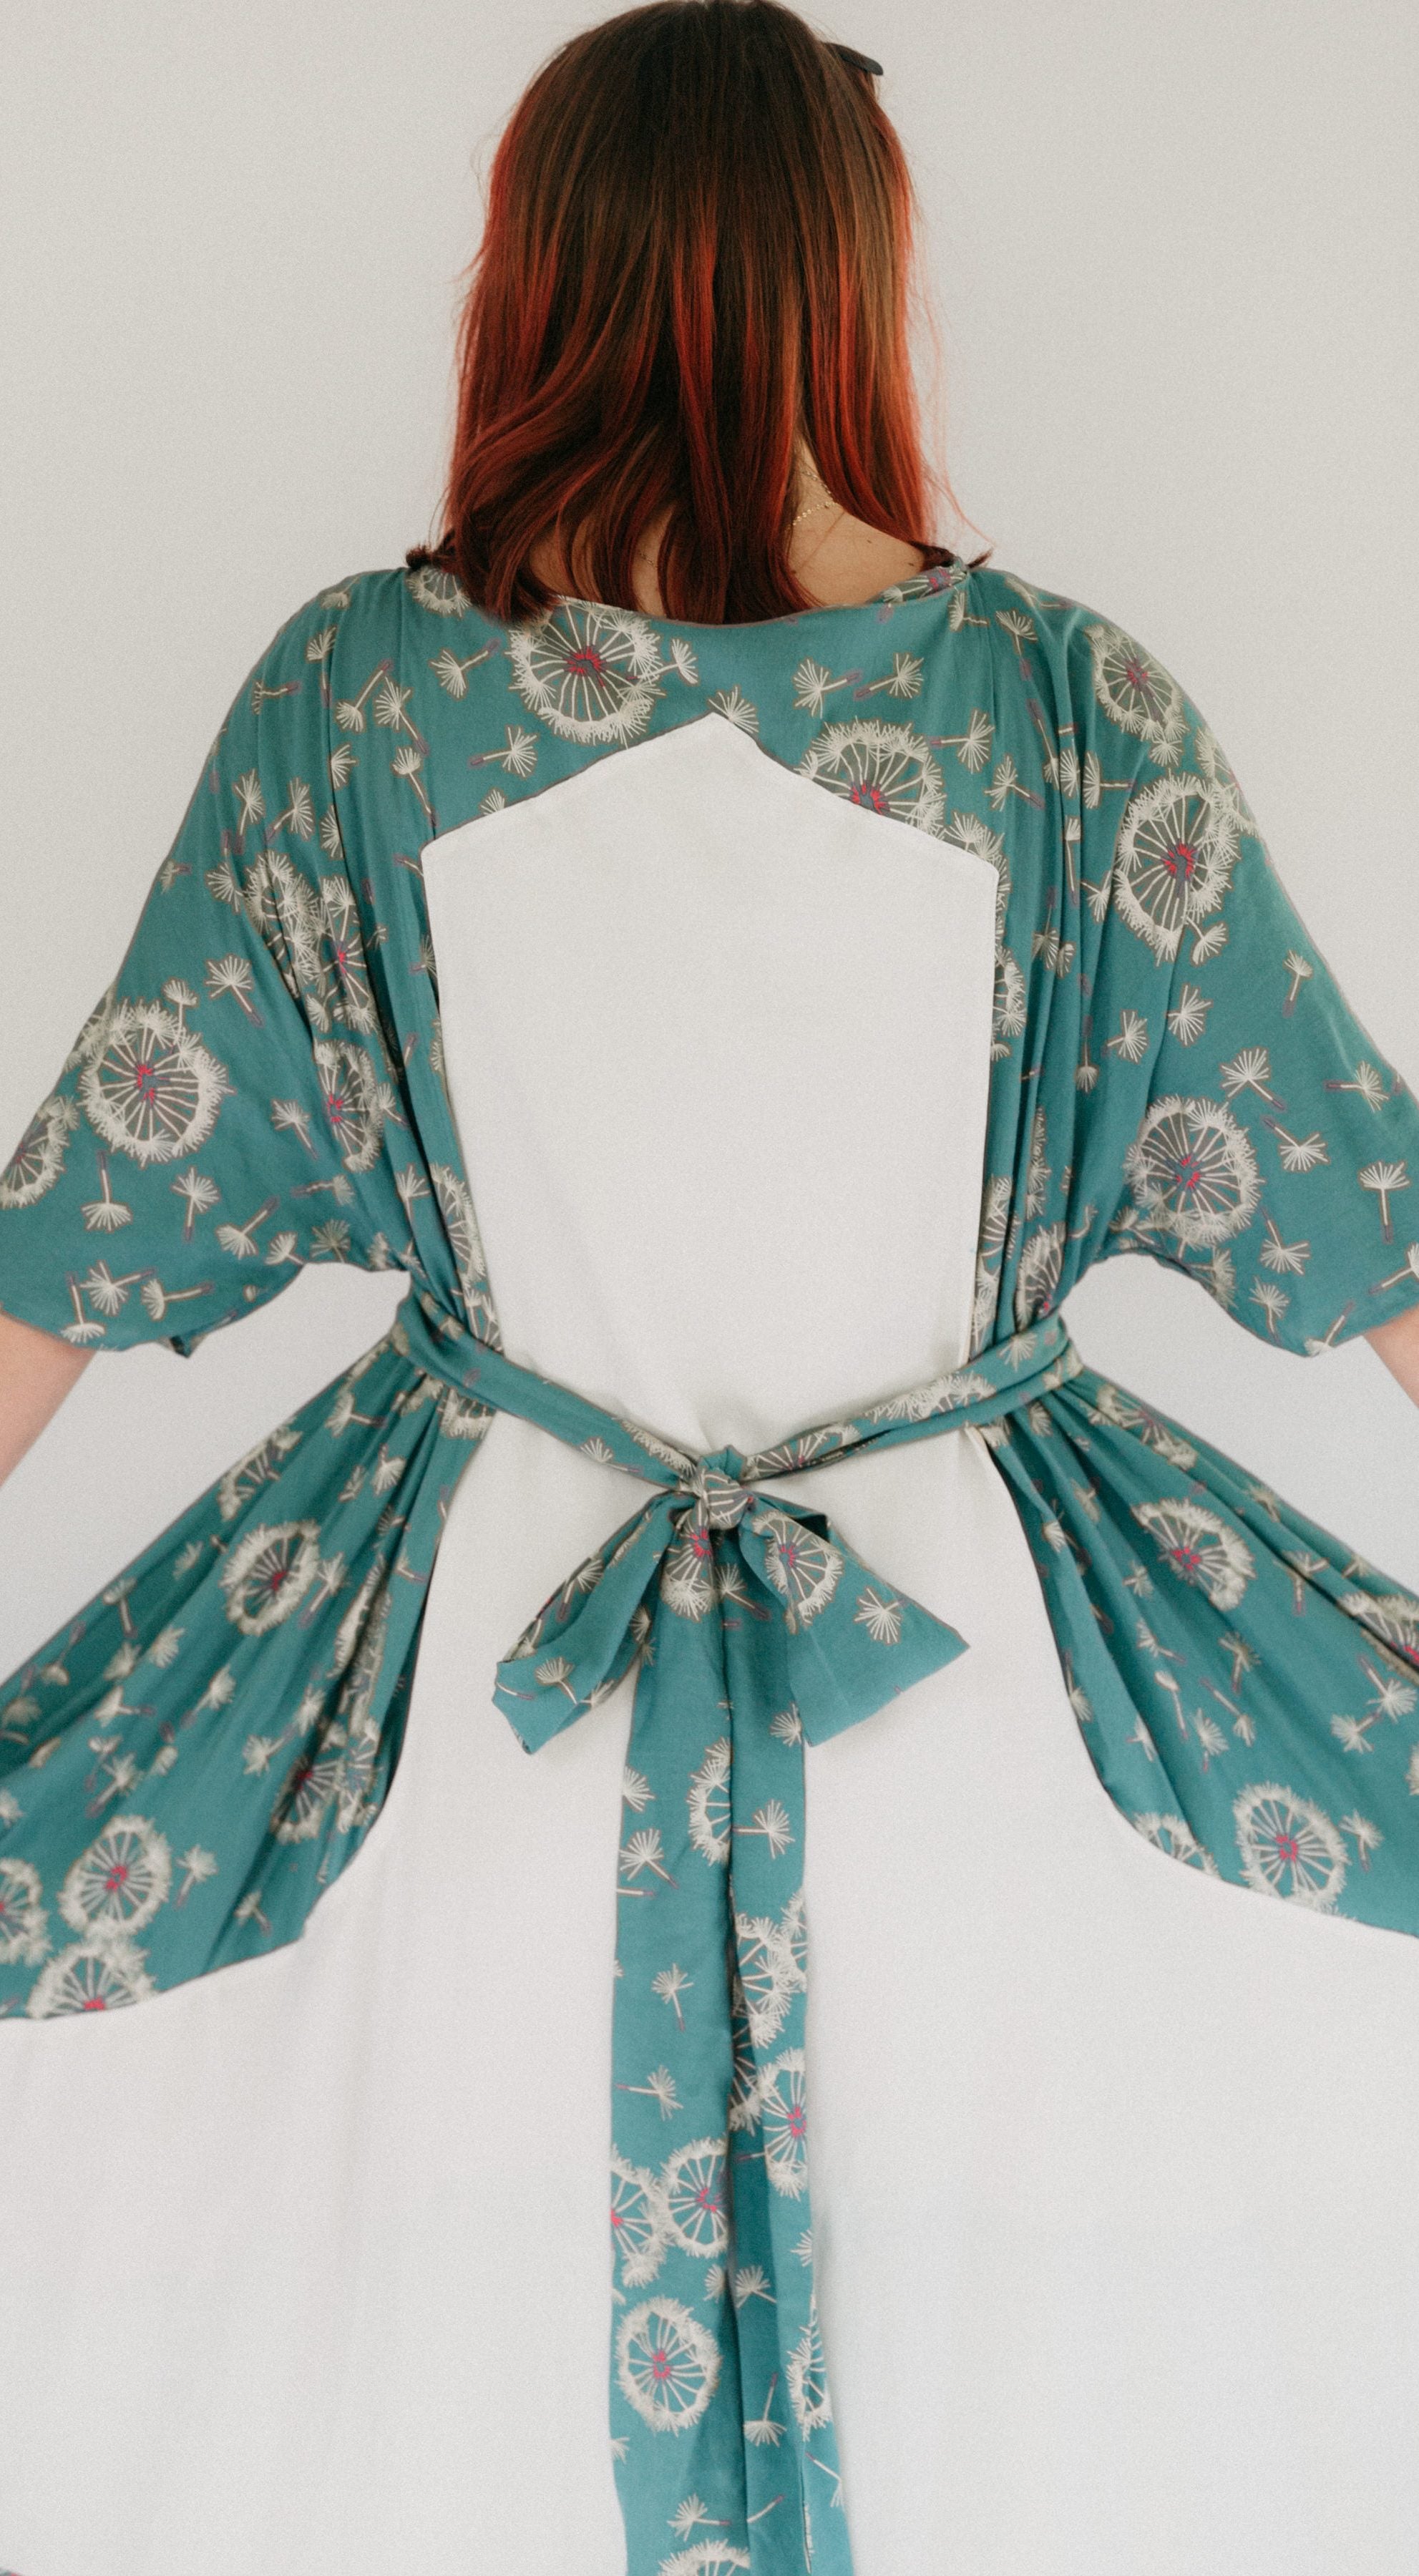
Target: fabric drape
point(202, 1749)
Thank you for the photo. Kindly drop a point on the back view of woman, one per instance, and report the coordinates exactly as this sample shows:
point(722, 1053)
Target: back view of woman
point(723, 1687)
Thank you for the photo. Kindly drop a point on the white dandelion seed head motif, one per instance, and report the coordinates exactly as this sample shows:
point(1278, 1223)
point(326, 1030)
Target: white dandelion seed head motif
point(455, 1202)
point(151, 1090)
point(1383, 1179)
point(1135, 692)
point(1177, 846)
point(735, 708)
point(772, 1967)
point(640, 2222)
point(100, 1974)
point(643, 1849)
point(440, 592)
point(813, 684)
point(391, 704)
point(688, 2515)
point(693, 2181)
point(1009, 1008)
point(267, 1573)
point(1174, 1835)
point(1131, 1042)
point(714, 2558)
point(353, 1099)
point(1188, 1017)
point(1366, 1836)
point(260, 1466)
point(687, 1584)
point(979, 839)
point(1353, 1733)
point(38, 1159)
point(1201, 1547)
point(519, 755)
point(279, 902)
point(888, 768)
point(772, 1821)
point(305, 1795)
point(670, 1984)
point(667, 2364)
point(590, 673)
point(1289, 1846)
point(783, 2117)
point(1038, 1275)
point(803, 1567)
point(882, 1618)
point(91, 1036)
point(806, 2375)
point(119, 1883)
point(708, 1802)
point(1192, 1167)
point(1391, 1615)
point(751, 2281)
point(24, 1923)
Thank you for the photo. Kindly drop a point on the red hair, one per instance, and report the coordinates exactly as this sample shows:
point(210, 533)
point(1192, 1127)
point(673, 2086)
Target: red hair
point(697, 253)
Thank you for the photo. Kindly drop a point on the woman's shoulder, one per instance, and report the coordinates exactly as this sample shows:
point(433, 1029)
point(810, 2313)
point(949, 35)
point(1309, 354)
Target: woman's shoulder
point(374, 607)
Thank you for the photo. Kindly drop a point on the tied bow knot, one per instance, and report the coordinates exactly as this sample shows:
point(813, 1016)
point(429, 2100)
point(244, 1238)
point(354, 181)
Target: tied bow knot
point(713, 1483)
point(755, 1627)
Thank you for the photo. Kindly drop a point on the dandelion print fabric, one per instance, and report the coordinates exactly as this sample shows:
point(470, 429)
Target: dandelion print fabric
point(280, 1075)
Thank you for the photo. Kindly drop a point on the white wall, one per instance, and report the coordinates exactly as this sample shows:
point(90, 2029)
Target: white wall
point(1172, 249)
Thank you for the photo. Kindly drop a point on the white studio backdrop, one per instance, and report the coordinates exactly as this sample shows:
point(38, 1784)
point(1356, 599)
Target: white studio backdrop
point(1171, 252)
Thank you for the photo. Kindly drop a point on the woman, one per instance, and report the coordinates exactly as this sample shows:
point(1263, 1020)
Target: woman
point(807, 953)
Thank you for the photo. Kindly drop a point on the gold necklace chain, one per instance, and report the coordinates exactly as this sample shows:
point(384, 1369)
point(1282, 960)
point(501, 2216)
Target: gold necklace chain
point(827, 503)
point(645, 554)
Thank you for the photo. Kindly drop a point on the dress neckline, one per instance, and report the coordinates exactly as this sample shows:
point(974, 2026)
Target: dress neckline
point(935, 559)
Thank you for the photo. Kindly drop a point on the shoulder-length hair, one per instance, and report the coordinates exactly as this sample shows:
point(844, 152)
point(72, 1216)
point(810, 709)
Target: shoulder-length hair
point(698, 251)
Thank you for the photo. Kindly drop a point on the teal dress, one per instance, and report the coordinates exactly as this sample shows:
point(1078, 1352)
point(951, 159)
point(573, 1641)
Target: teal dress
point(1173, 1072)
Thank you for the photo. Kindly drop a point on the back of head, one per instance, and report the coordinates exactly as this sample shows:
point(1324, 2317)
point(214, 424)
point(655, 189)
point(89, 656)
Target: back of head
point(696, 260)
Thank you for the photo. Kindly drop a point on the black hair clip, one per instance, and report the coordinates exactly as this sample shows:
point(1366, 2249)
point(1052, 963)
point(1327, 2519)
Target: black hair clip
point(856, 62)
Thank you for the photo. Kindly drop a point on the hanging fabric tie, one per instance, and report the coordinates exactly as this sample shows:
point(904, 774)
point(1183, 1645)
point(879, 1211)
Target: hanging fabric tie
point(755, 1627)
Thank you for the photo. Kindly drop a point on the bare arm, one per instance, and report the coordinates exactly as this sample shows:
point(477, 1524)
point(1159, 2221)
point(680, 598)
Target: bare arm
point(1398, 1345)
point(36, 1373)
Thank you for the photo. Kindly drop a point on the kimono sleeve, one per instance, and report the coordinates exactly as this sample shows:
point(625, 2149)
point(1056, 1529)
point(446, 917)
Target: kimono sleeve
point(1255, 1135)
point(220, 1119)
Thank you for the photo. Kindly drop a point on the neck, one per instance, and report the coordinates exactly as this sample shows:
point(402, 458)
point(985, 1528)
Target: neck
point(838, 561)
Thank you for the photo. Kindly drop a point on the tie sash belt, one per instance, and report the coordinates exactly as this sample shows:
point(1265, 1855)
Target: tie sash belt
point(754, 1627)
